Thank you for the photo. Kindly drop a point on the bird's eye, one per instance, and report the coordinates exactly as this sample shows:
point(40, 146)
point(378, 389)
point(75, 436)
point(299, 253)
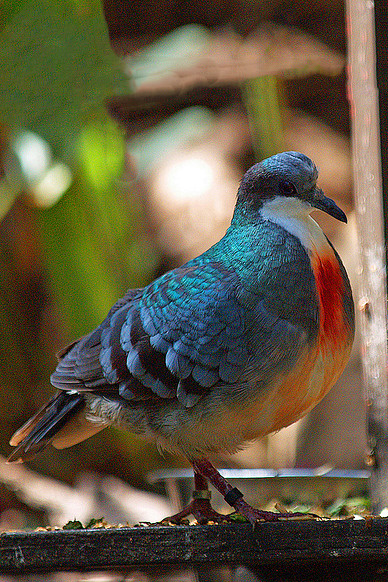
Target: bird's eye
point(287, 188)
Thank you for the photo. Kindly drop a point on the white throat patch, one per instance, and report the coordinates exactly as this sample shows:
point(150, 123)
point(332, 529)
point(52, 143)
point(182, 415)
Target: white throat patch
point(293, 215)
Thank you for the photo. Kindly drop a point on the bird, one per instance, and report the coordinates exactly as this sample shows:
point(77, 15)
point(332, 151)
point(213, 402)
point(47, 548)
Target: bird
point(238, 342)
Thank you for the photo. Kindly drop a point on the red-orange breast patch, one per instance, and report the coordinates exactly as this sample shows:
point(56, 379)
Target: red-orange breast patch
point(330, 287)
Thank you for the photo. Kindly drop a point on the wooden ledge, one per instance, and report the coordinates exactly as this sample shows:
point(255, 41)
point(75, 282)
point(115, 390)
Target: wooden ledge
point(287, 546)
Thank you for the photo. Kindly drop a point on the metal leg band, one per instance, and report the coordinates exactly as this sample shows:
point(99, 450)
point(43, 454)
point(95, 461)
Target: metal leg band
point(233, 495)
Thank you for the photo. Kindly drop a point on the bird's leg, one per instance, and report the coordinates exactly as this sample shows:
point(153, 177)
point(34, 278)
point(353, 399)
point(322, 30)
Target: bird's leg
point(234, 497)
point(200, 506)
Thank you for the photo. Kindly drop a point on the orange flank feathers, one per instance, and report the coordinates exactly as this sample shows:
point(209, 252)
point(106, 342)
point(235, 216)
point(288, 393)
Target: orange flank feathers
point(319, 368)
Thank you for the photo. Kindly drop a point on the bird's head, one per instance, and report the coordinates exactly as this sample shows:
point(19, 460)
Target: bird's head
point(287, 180)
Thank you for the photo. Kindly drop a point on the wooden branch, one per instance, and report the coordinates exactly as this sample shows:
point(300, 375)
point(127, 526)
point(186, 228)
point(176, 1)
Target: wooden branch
point(229, 60)
point(296, 547)
point(214, 80)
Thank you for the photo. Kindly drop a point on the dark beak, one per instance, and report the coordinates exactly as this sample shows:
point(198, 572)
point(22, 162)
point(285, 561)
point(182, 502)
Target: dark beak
point(320, 201)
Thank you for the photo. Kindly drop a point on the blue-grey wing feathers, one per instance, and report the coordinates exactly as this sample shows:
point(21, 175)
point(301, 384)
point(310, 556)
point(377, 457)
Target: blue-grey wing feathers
point(193, 329)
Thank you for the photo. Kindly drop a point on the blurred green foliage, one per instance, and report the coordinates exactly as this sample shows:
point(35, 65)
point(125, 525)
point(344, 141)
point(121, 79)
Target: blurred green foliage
point(93, 240)
point(67, 253)
point(263, 99)
point(56, 69)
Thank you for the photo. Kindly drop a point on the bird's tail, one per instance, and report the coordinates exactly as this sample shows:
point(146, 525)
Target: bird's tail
point(61, 421)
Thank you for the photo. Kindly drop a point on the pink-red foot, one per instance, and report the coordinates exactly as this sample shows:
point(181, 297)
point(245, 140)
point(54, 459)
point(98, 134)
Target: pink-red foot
point(254, 515)
point(204, 513)
point(201, 510)
point(204, 470)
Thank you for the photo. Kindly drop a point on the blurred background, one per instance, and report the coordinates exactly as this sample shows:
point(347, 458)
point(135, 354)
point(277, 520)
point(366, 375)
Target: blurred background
point(125, 128)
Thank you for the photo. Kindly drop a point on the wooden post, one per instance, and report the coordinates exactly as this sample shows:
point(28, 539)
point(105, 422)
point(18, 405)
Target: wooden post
point(368, 165)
